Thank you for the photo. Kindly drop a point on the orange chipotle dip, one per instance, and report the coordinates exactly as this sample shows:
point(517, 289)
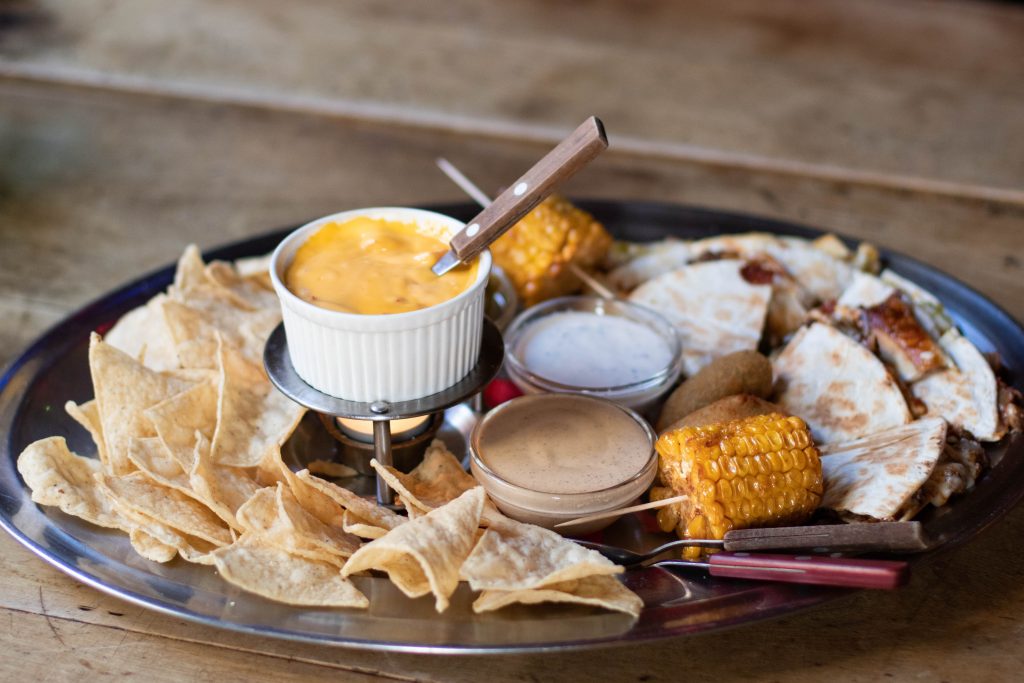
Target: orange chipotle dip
point(373, 266)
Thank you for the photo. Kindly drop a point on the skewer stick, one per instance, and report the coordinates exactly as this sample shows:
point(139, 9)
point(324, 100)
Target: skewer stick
point(481, 198)
point(624, 511)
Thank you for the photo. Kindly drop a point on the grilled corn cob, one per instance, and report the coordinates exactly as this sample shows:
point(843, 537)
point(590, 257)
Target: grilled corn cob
point(754, 472)
point(536, 251)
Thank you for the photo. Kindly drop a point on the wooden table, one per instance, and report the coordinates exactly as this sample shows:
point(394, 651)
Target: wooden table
point(129, 128)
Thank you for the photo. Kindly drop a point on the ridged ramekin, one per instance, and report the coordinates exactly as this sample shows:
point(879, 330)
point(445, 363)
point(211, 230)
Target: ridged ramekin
point(391, 357)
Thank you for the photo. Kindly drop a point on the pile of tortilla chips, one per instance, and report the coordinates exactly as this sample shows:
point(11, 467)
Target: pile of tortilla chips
point(188, 431)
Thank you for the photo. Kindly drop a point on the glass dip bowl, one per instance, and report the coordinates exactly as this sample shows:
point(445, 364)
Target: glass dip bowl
point(550, 458)
point(606, 348)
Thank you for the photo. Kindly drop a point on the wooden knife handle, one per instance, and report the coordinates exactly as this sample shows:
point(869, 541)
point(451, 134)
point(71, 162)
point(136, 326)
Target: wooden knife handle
point(557, 166)
point(893, 537)
point(812, 569)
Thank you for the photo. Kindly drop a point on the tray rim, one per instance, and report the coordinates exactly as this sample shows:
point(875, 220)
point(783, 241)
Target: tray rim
point(155, 281)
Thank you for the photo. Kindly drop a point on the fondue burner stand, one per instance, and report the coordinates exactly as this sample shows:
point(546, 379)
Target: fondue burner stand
point(279, 367)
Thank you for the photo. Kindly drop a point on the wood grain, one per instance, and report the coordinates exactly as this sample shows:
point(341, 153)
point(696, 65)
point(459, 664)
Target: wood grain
point(89, 169)
point(874, 89)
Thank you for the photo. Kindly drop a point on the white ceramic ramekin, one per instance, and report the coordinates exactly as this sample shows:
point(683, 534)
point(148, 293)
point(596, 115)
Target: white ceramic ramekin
point(394, 357)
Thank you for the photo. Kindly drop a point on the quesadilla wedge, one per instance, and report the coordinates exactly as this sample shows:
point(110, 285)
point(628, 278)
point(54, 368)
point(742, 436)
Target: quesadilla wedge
point(880, 475)
point(967, 395)
point(837, 386)
point(713, 307)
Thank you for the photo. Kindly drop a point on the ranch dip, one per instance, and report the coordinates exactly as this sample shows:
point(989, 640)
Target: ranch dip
point(592, 351)
point(562, 443)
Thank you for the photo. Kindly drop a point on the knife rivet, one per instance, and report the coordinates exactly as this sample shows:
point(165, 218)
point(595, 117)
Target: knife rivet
point(472, 230)
point(520, 189)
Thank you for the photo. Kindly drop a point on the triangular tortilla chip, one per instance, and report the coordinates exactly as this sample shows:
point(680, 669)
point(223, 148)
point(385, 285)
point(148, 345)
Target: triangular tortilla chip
point(278, 575)
point(876, 475)
point(177, 419)
point(56, 476)
point(142, 333)
point(966, 396)
point(372, 520)
point(438, 479)
point(184, 514)
point(151, 548)
point(190, 272)
point(598, 591)
point(839, 388)
point(244, 292)
point(424, 554)
point(714, 309)
point(253, 418)
point(221, 488)
point(88, 415)
point(124, 389)
point(190, 548)
point(516, 556)
point(260, 516)
point(150, 456)
point(273, 513)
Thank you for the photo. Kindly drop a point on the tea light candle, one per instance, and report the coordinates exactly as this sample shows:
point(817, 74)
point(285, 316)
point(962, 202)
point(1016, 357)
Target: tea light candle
point(401, 430)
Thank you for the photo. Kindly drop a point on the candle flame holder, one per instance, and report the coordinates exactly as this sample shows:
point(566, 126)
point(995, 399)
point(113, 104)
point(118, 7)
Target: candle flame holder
point(281, 372)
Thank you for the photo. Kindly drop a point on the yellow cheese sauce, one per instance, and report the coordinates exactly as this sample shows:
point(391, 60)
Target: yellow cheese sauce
point(373, 266)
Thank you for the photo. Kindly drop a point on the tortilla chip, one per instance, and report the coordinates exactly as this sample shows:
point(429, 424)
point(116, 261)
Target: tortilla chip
point(599, 591)
point(124, 389)
point(178, 418)
point(196, 322)
point(966, 396)
point(253, 418)
point(88, 415)
point(56, 476)
point(330, 538)
point(876, 475)
point(143, 334)
point(357, 526)
point(838, 387)
point(424, 554)
point(363, 512)
point(437, 480)
point(243, 292)
point(714, 309)
point(275, 516)
point(150, 548)
point(275, 574)
point(190, 272)
point(150, 456)
point(222, 489)
point(327, 468)
point(190, 548)
point(515, 556)
point(141, 494)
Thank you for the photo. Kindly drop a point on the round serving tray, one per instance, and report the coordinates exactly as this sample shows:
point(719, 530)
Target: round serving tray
point(54, 369)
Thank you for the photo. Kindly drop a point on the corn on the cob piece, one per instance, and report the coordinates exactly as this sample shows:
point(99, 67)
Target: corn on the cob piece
point(536, 251)
point(754, 472)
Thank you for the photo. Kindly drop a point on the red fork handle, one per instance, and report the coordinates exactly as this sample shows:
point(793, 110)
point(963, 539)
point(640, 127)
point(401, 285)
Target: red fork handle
point(816, 569)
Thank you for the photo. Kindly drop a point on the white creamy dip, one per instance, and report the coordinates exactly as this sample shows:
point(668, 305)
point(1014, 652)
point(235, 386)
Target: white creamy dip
point(592, 351)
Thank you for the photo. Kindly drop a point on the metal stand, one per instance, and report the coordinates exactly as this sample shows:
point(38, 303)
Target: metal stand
point(281, 372)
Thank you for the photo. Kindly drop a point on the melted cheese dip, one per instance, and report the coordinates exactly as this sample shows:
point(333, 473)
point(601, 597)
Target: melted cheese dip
point(373, 266)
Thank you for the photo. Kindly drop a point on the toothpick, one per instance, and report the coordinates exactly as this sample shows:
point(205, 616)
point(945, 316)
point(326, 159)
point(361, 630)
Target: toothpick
point(624, 511)
point(481, 198)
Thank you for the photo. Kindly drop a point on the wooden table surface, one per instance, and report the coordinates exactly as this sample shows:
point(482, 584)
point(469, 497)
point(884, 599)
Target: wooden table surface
point(129, 128)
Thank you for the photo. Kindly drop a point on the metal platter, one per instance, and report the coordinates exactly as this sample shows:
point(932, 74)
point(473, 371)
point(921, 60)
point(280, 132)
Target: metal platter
point(54, 369)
